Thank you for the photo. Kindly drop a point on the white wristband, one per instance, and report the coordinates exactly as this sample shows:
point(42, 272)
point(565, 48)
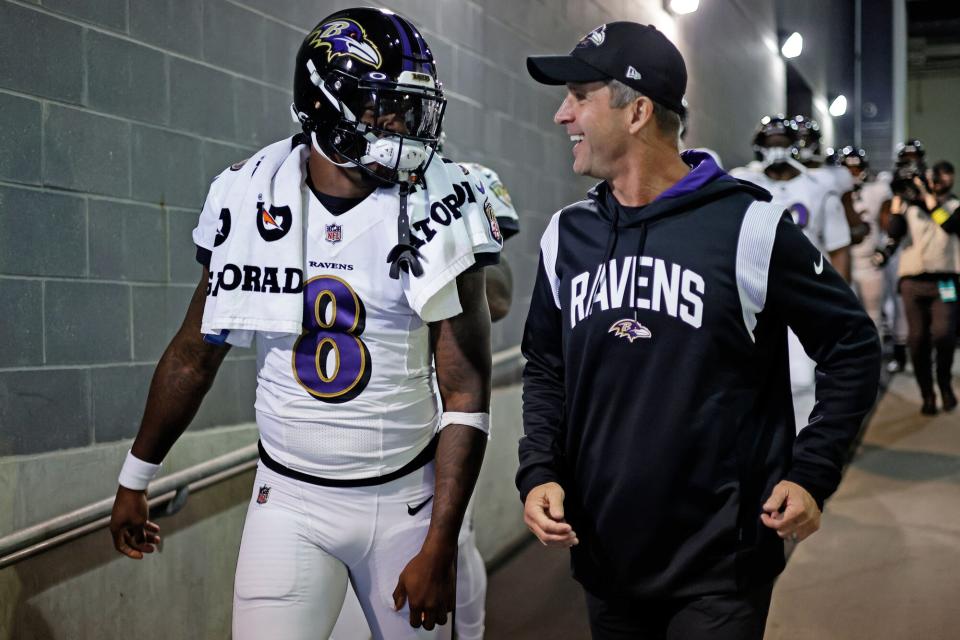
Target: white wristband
point(479, 421)
point(137, 474)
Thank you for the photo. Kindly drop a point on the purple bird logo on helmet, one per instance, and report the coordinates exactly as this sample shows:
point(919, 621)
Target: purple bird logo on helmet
point(344, 37)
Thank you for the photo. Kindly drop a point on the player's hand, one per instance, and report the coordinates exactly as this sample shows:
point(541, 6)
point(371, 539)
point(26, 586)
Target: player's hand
point(543, 515)
point(133, 535)
point(879, 258)
point(429, 584)
point(791, 511)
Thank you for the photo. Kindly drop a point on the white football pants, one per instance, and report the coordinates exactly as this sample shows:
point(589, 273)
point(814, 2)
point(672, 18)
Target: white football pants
point(471, 594)
point(302, 542)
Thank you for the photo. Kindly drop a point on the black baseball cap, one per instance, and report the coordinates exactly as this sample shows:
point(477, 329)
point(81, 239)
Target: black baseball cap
point(637, 55)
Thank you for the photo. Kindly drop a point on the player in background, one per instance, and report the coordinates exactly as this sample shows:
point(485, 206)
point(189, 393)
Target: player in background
point(833, 177)
point(870, 199)
point(817, 211)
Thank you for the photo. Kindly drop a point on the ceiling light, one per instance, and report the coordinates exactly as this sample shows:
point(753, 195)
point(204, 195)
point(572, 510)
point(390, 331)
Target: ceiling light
point(681, 7)
point(792, 46)
point(839, 106)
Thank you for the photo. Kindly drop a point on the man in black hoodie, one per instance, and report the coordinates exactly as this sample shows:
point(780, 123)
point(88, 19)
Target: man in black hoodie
point(659, 435)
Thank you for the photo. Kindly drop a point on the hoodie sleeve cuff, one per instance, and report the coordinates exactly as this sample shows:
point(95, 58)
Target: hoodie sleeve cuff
point(814, 484)
point(533, 477)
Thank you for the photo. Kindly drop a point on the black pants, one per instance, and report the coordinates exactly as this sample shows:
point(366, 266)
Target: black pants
point(931, 324)
point(735, 616)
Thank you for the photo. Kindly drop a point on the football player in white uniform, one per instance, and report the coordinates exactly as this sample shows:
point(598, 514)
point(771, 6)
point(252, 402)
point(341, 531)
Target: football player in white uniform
point(373, 389)
point(817, 210)
point(471, 570)
point(870, 197)
point(832, 176)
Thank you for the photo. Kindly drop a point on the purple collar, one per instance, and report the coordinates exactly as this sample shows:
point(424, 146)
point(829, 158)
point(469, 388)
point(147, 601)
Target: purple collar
point(704, 170)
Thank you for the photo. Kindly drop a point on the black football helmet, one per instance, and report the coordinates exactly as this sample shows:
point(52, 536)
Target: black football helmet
point(856, 162)
point(853, 157)
point(365, 90)
point(808, 139)
point(764, 148)
point(912, 147)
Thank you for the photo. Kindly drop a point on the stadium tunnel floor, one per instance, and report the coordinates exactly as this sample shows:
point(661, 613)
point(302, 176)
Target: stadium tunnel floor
point(885, 564)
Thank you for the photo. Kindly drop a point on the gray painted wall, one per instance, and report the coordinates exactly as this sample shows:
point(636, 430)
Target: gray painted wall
point(932, 114)
point(827, 61)
point(115, 115)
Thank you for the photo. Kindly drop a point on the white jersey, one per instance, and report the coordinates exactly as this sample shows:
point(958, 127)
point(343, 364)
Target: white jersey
point(816, 209)
point(867, 202)
point(490, 184)
point(835, 178)
point(751, 172)
point(354, 395)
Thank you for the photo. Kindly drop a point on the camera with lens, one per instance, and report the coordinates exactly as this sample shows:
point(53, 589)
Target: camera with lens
point(903, 180)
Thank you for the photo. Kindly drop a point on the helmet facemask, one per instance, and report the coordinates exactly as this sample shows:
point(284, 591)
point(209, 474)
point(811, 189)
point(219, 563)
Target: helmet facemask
point(388, 129)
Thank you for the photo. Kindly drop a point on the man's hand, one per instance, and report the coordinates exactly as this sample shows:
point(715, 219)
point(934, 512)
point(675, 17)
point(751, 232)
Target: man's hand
point(428, 583)
point(543, 514)
point(791, 511)
point(929, 200)
point(133, 535)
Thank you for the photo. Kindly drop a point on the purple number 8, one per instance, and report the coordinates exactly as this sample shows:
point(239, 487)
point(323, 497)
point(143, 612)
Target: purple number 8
point(333, 319)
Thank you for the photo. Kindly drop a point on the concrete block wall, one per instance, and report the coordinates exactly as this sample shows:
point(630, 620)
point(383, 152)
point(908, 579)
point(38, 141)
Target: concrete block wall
point(116, 114)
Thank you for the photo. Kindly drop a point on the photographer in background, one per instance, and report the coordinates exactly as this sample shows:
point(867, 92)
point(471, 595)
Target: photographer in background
point(923, 209)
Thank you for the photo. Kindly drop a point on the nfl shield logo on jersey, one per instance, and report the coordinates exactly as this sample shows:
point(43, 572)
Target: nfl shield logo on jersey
point(263, 495)
point(334, 233)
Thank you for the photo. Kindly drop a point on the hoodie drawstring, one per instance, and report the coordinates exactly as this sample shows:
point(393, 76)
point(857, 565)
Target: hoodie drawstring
point(608, 253)
point(640, 248)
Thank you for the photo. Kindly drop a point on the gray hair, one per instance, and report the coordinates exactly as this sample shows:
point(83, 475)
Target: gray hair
point(668, 121)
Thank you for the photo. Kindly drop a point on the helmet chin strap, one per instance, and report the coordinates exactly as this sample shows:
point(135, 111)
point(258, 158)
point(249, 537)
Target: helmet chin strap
point(319, 149)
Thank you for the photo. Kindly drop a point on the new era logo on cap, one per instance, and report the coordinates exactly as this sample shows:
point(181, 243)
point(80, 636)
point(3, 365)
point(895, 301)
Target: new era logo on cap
point(633, 74)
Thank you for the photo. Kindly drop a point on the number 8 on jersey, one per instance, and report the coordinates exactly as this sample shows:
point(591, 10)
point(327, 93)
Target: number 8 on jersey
point(330, 361)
